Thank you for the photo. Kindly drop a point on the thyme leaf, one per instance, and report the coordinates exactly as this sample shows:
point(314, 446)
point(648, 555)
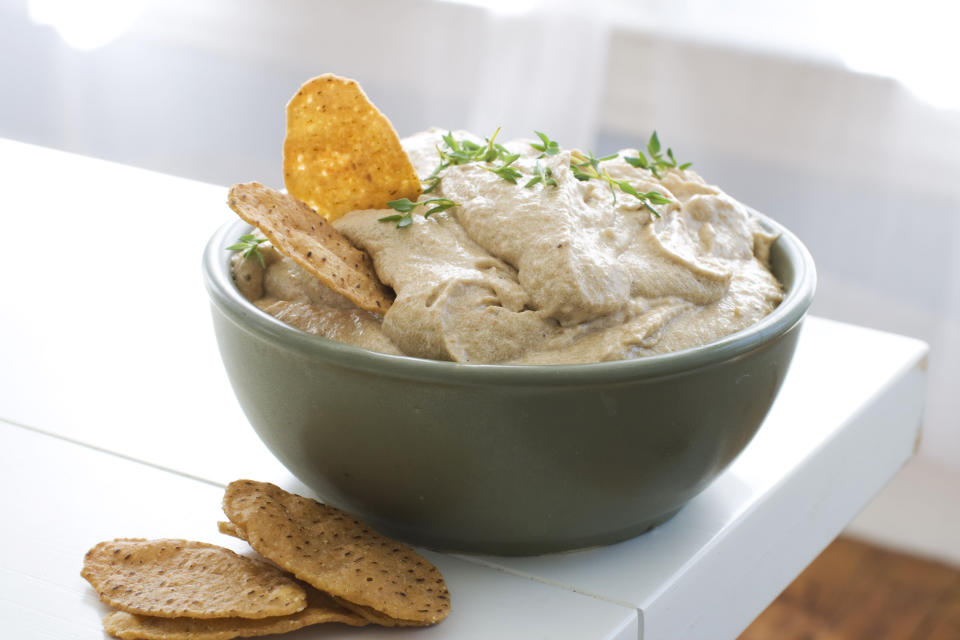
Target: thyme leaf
point(648, 199)
point(657, 162)
point(587, 166)
point(548, 148)
point(542, 174)
point(433, 180)
point(402, 221)
point(249, 245)
point(405, 207)
point(505, 171)
point(442, 205)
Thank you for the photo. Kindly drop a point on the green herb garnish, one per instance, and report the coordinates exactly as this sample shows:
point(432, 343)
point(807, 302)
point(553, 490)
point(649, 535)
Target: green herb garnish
point(505, 171)
point(457, 152)
point(588, 168)
point(466, 151)
point(657, 162)
point(249, 245)
point(405, 206)
point(648, 198)
point(542, 174)
point(583, 166)
point(548, 148)
point(433, 180)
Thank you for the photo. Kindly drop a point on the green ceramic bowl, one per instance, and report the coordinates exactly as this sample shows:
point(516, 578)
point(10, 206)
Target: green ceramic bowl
point(504, 459)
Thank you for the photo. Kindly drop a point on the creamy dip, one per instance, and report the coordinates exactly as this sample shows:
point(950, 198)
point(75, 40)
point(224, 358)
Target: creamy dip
point(540, 275)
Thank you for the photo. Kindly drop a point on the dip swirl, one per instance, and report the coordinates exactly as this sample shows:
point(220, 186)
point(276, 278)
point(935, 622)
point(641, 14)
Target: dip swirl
point(541, 275)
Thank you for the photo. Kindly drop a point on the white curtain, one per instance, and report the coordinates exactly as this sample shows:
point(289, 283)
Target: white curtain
point(544, 70)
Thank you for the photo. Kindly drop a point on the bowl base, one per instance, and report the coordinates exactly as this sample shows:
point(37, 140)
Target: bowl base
point(448, 544)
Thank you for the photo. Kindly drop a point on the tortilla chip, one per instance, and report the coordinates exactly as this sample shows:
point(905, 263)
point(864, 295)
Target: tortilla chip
point(174, 578)
point(320, 609)
point(340, 153)
point(338, 554)
point(296, 231)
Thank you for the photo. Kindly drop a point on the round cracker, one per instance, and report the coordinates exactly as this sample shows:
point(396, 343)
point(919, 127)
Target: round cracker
point(338, 554)
point(341, 153)
point(173, 578)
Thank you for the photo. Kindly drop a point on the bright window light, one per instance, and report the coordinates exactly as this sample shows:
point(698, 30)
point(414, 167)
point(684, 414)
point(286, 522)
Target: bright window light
point(503, 7)
point(90, 24)
point(915, 43)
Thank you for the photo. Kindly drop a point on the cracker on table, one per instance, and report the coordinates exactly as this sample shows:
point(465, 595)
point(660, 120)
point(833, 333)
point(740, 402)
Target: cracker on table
point(338, 554)
point(181, 578)
point(340, 153)
point(229, 529)
point(296, 231)
point(320, 609)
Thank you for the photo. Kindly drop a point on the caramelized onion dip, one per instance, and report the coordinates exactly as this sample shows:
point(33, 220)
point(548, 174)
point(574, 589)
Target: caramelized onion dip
point(574, 272)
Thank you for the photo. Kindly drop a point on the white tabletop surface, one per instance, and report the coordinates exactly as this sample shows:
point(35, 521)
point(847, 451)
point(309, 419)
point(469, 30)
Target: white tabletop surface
point(118, 420)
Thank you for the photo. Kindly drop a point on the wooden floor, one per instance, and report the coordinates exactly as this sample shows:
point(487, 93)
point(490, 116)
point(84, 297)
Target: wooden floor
point(854, 591)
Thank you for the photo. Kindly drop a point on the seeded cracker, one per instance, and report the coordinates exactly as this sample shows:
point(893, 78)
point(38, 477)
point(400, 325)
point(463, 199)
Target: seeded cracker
point(296, 231)
point(229, 529)
point(372, 615)
point(384, 580)
point(174, 578)
point(320, 609)
point(340, 153)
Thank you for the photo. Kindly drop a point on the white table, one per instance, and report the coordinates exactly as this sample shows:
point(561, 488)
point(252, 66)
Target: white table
point(116, 419)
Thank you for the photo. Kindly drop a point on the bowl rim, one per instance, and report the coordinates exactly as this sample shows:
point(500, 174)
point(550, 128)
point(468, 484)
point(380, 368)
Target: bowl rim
point(226, 297)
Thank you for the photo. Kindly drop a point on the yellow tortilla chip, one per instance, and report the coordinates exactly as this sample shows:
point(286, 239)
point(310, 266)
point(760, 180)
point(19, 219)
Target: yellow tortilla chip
point(175, 578)
point(340, 153)
point(299, 233)
point(382, 579)
point(320, 609)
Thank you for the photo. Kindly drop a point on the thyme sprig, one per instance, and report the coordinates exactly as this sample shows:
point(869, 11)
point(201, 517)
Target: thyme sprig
point(647, 198)
point(657, 162)
point(505, 171)
point(548, 148)
point(542, 174)
point(457, 152)
point(405, 207)
point(584, 166)
point(249, 245)
point(587, 167)
point(433, 180)
point(466, 151)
